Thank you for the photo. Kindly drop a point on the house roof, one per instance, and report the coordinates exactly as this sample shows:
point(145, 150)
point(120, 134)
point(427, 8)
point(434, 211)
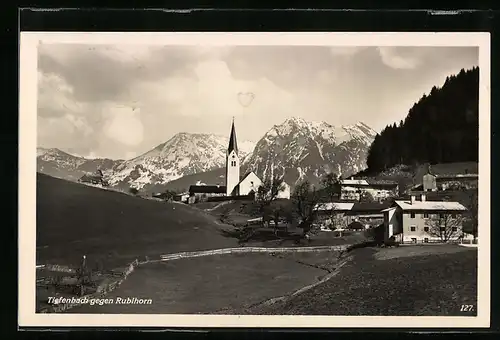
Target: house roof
point(207, 189)
point(430, 205)
point(354, 182)
point(370, 206)
point(368, 182)
point(381, 182)
point(356, 225)
point(232, 140)
point(456, 177)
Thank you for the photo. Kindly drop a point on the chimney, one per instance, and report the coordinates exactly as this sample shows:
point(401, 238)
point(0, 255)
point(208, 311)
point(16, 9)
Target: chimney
point(352, 178)
point(412, 199)
point(422, 197)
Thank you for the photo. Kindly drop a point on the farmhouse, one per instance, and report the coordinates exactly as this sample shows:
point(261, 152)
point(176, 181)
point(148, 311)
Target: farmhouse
point(334, 212)
point(446, 181)
point(236, 185)
point(368, 214)
point(415, 221)
point(205, 191)
point(353, 189)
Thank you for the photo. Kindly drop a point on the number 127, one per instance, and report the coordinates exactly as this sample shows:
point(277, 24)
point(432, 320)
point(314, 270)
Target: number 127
point(467, 308)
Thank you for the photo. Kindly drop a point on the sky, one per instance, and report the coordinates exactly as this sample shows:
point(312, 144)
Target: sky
point(119, 101)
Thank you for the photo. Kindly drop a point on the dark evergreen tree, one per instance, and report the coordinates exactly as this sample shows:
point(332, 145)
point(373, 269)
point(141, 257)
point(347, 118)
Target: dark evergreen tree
point(441, 127)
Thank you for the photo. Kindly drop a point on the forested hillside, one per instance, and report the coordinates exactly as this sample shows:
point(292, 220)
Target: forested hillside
point(442, 127)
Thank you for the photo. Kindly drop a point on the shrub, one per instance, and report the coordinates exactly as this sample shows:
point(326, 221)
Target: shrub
point(134, 191)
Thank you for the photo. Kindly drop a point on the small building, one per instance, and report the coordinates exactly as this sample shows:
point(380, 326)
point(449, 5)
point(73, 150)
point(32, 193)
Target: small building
point(432, 181)
point(182, 197)
point(201, 192)
point(356, 225)
point(368, 213)
point(415, 221)
point(284, 192)
point(330, 213)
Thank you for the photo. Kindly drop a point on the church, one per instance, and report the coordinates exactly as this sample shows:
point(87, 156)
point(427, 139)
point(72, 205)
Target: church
point(236, 185)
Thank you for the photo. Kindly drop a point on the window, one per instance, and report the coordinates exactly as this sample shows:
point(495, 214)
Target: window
point(441, 216)
point(442, 229)
point(453, 228)
point(233, 163)
point(414, 240)
point(413, 228)
point(426, 240)
point(426, 215)
point(412, 215)
point(426, 229)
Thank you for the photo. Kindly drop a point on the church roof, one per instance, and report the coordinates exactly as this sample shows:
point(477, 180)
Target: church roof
point(232, 141)
point(207, 189)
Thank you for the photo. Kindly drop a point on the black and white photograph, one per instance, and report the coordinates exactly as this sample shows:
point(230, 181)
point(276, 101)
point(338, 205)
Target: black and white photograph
point(248, 179)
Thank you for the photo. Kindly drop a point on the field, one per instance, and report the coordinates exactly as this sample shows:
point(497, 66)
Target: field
point(114, 228)
point(209, 284)
point(436, 280)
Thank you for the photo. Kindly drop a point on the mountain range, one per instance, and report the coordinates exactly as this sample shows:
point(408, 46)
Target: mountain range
point(60, 164)
point(297, 149)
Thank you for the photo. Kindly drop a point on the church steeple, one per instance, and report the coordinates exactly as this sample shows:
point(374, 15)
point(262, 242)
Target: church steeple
point(232, 141)
point(232, 165)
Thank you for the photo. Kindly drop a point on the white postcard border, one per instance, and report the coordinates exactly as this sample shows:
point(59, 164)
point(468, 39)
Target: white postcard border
point(27, 177)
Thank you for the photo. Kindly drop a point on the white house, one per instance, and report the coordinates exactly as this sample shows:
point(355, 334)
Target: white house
point(415, 221)
point(284, 191)
point(352, 189)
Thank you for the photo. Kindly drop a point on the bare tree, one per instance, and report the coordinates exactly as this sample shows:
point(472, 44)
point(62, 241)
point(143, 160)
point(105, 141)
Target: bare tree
point(472, 218)
point(447, 227)
point(331, 188)
point(305, 200)
point(268, 192)
point(365, 196)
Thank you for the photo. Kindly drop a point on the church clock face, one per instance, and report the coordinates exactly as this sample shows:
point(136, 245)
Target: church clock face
point(234, 157)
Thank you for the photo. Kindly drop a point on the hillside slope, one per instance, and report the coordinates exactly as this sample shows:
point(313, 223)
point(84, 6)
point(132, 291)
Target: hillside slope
point(114, 228)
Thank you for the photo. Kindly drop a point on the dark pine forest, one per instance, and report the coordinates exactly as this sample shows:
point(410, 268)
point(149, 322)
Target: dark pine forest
point(442, 127)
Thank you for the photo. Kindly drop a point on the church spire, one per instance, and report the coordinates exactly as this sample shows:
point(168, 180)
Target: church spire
point(232, 140)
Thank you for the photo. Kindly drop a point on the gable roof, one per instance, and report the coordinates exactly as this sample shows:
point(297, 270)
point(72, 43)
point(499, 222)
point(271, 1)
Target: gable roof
point(246, 175)
point(430, 205)
point(207, 189)
point(353, 182)
point(356, 225)
point(369, 182)
point(370, 206)
point(232, 141)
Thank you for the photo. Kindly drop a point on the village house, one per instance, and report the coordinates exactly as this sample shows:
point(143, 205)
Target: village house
point(353, 189)
point(202, 192)
point(417, 221)
point(182, 197)
point(334, 213)
point(369, 214)
point(432, 182)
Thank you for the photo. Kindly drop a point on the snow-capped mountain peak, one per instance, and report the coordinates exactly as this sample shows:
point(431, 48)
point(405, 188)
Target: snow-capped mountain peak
point(299, 149)
point(183, 154)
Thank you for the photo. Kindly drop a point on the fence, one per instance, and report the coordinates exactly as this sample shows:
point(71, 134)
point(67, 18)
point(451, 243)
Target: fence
point(101, 292)
point(224, 251)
